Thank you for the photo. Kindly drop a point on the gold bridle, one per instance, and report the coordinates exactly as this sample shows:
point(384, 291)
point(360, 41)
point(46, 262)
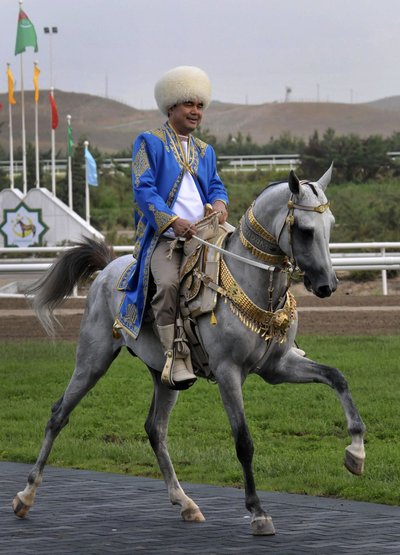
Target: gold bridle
point(258, 236)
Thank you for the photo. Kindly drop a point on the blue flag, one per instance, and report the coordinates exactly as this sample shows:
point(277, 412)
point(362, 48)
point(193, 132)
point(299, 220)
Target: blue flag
point(91, 168)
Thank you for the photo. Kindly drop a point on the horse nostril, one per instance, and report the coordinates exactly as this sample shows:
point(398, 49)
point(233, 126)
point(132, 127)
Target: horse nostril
point(324, 291)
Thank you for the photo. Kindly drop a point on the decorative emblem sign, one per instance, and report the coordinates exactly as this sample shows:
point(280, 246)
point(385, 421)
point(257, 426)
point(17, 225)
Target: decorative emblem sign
point(22, 226)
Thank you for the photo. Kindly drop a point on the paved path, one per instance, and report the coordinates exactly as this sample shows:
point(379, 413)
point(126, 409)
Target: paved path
point(82, 512)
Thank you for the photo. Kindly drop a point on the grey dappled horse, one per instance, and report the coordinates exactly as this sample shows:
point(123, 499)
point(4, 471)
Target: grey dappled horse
point(287, 218)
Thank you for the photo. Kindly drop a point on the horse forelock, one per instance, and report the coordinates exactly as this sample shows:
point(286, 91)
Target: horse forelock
point(310, 191)
point(312, 187)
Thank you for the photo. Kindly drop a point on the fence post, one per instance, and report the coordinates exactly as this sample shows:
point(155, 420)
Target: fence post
point(384, 275)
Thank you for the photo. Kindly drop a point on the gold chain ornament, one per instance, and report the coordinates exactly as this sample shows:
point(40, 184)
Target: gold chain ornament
point(268, 324)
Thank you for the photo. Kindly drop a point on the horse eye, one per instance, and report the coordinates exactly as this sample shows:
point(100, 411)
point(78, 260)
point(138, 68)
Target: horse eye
point(307, 233)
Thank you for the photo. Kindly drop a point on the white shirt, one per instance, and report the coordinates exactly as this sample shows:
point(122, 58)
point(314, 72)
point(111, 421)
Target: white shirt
point(188, 204)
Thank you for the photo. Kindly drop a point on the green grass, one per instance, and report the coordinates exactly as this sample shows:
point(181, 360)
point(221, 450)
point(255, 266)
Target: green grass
point(298, 430)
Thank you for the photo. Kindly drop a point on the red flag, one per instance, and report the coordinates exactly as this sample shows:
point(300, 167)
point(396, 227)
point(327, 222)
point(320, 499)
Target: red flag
point(1, 106)
point(54, 113)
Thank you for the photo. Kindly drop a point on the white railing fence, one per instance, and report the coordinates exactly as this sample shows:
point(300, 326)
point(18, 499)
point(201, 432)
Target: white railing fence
point(237, 162)
point(375, 256)
point(260, 162)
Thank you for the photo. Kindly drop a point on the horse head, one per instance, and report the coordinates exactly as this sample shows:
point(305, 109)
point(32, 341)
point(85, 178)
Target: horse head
point(309, 222)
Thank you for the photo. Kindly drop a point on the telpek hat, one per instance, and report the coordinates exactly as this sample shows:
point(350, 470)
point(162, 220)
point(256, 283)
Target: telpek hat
point(180, 84)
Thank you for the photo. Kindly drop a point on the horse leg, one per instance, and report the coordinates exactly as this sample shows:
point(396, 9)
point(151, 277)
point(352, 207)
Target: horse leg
point(156, 427)
point(91, 364)
point(231, 393)
point(297, 369)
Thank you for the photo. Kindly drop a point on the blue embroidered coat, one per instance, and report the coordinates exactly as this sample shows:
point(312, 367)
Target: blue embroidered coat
point(158, 167)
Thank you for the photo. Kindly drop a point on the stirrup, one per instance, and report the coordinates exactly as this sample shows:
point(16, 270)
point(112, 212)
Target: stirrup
point(166, 376)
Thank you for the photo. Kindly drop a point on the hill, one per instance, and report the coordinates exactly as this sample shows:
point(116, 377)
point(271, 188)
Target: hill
point(390, 103)
point(107, 124)
point(112, 126)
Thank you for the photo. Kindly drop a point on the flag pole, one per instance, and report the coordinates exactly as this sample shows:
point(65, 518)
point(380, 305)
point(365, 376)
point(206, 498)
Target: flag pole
point(87, 198)
point(70, 203)
point(26, 36)
point(53, 154)
point(35, 66)
point(11, 147)
point(10, 126)
point(24, 177)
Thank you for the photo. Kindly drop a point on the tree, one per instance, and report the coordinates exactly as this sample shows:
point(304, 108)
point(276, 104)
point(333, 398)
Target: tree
point(355, 159)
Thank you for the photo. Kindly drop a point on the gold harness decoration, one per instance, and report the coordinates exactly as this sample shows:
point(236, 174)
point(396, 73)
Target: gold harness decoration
point(258, 239)
point(270, 325)
point(276, 259)
point(259, 229)
point(321, 208)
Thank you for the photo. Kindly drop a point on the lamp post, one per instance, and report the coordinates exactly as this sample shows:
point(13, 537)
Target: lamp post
point(51, 31)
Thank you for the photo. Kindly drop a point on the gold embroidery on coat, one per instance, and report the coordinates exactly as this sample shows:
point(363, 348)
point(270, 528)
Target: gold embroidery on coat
point(162, 219)
point(201, 145)
point(174, 189)
point(141, 163)
point(160, 134)
point(189, 162)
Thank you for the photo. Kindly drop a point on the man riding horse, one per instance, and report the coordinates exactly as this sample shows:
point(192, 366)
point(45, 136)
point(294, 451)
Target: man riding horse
point(174, 176)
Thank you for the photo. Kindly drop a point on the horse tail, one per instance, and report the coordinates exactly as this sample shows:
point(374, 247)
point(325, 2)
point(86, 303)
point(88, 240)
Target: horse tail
point(76, 264)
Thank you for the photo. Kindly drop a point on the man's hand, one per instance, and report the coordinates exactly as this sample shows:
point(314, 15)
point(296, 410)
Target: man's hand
point(221, 210)
point(183, 228)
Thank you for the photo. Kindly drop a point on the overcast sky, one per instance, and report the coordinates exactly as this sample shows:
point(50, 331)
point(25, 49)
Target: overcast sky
point(336, 50)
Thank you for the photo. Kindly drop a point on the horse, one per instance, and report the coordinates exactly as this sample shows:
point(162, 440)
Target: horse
point(26, 229)
point(287, 226)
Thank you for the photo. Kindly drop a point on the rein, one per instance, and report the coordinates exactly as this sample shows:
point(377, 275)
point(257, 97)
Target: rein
point(274, 322)
point(253, 237)
point(233, 255)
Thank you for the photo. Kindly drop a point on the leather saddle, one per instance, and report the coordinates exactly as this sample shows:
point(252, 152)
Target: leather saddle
point(195, 298)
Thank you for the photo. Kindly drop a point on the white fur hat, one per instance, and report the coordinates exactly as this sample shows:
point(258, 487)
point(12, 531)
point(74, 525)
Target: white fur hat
point(180, 84)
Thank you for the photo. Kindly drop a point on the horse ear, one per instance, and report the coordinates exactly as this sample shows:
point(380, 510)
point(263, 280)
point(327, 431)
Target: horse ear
point(324, 181)
point(294, 183)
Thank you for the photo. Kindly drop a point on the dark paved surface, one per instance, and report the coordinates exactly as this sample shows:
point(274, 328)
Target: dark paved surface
point(83, 512)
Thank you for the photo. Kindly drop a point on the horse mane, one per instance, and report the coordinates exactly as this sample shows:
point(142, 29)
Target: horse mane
point(272, 184)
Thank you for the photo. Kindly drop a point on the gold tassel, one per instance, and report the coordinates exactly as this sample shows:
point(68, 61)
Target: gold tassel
point(115, 330)
point(213, 319)
point(116, 334)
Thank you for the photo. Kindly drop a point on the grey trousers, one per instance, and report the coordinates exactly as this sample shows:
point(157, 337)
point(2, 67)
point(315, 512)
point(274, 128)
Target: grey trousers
point(166, 278)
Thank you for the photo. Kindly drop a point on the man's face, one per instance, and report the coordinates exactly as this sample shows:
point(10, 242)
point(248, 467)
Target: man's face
point(186, 117)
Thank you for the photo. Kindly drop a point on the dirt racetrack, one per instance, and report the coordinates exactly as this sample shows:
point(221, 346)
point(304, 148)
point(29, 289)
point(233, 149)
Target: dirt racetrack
point(355, 309)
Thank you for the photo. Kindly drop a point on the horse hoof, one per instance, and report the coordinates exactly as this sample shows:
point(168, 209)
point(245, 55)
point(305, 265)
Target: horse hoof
point(19, 507)
point(353, 462)
point(262, 526)
point(192, 515)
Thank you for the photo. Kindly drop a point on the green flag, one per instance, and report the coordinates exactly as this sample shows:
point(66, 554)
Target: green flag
point(70, 141)
point(26, 34)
